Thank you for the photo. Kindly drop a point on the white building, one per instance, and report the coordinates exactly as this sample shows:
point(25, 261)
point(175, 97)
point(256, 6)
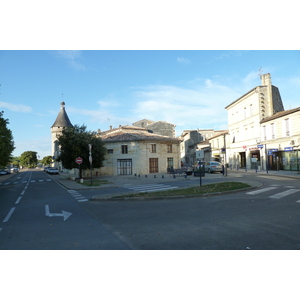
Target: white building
point(261, 133)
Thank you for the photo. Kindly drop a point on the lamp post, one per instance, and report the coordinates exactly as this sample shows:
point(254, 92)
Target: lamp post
point(91, 161)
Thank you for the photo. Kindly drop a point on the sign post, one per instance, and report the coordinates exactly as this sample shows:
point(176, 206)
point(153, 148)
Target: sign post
point(79, 161)
point(91, 161)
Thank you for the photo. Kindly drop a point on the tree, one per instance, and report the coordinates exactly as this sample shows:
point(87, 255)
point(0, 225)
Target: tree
point(28, 159)
point(6, 142)
point(47, 160)
point(74, 142)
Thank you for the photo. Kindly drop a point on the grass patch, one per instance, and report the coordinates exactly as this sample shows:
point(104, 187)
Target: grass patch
point(87, 182)
point(197, 190)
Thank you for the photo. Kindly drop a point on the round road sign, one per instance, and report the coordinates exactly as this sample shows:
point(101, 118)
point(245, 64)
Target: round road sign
point(79, 160)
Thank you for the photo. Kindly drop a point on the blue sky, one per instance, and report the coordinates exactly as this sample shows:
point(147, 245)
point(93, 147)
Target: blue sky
point(101, 88)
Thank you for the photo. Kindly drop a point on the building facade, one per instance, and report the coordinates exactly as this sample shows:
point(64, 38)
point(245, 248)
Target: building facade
point(134, 150)
point(261, 134)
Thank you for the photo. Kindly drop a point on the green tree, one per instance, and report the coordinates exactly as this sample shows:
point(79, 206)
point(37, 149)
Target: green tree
point(28, 159)
point(47, 160)
point(74, 143)
point(6, 142)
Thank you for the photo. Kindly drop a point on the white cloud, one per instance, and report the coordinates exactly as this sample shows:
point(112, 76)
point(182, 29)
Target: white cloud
point(16, 107)
point(184, 61)
point(202, 107)
point(72, 57)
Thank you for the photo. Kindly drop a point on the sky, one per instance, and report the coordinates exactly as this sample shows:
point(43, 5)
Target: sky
point(103, 88)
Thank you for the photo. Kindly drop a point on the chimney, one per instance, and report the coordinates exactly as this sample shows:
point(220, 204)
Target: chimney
point(110, 127)
point(266, 79)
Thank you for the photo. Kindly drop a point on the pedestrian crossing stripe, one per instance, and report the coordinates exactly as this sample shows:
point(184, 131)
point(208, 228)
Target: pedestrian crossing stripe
point(283, 194)
point(150, 187)
point(261, 190)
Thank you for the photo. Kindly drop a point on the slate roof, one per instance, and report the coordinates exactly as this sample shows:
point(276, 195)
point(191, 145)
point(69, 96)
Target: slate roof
point(62, 119)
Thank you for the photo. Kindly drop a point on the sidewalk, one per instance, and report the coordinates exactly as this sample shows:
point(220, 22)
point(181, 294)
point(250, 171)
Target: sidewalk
point(115, 181)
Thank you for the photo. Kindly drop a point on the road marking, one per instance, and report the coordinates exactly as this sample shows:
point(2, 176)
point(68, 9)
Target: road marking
point(6, 183)
point(32, 180)
point(277, 178)
point(283, 194)
point(150, 187)
point(18, 200)
point(83, 200)
point(298, 201)
point(41, 180)
point(64, 214)
point(9, 215)
point(23, 193)
point(24, 181)
point(15, 182)
point(49, 179)
point(261, 191)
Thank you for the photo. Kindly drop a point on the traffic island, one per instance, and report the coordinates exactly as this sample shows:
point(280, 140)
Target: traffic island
point(196, 191)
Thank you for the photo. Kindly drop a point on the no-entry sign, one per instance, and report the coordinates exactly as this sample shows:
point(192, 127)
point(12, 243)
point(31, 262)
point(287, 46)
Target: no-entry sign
point(79, 160)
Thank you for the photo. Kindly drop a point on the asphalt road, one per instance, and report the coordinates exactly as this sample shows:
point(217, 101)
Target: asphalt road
point(37, 213)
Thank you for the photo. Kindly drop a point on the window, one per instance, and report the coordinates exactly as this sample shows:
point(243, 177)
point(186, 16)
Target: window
point(245, 112)
point(169, 149)
point(273, 130)
point(110, 151)
point(124, 166)
point(287, 127)
point(153, 148)
point(170, 162)
point(265, 133)
point(251, 110)
point(124, 149)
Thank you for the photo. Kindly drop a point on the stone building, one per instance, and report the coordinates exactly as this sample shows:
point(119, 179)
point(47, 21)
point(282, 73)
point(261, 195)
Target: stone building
point(134, 150)
point(62, 121)
point(159, 127)
point(261, 133)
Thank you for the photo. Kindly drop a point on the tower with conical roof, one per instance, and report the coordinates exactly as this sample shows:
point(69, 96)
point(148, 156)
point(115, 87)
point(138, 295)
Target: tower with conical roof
point(62, 121)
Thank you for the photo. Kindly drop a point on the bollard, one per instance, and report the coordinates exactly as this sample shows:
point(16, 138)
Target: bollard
point(139, 175)
point(145, 176)
point(162, 176)
point(134, 174)
point(174, 176)
point(185, 176)
point(154, 176)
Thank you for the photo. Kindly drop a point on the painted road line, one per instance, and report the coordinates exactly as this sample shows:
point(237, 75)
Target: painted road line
point(298, 201)
point(23, 193)
point(277, 178)
point(49, 179)
point(261, 191)
point(83, 200)
point(9, 215)
point(16, 182)
point(24, 181)
point(41, 180)
point(18, 200)
point(32, 180)
point(284, 194)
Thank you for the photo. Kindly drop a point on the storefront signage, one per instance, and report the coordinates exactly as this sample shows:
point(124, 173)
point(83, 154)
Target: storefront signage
point(270, 151)
point(260, 146)
point(253, 149)
point(286, 149)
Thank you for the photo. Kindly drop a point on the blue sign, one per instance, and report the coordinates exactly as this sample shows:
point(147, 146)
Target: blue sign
point(286, 149)
point(260, 146)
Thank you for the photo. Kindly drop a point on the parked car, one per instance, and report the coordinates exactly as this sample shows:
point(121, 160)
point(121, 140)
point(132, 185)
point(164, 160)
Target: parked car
point(213, 166)
point(4, 172)
point(52, 171)
point(46, 169)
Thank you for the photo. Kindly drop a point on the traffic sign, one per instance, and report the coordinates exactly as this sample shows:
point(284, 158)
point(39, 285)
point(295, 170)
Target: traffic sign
point(79, 160)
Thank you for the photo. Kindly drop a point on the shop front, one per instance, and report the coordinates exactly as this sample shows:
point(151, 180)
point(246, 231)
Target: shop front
point(288, 159)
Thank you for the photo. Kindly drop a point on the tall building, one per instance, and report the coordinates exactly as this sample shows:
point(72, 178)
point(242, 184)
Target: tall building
point(62, 121)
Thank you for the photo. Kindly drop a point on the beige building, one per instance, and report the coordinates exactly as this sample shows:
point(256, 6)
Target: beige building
point(134, 150)
point(244, 117)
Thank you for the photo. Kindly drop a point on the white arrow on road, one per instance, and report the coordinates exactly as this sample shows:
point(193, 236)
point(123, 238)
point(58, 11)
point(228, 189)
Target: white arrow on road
point(64, 213)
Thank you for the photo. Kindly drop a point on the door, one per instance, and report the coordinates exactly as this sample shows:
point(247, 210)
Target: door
point(153, 165)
